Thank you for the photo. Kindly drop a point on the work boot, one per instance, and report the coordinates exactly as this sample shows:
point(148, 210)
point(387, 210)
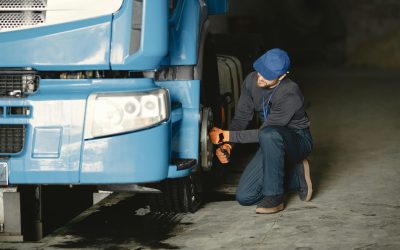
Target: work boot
point(305, 186)
point(270, 205)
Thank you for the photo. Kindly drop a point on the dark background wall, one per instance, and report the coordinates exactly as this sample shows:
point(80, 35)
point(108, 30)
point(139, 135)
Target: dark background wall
point(332, 33)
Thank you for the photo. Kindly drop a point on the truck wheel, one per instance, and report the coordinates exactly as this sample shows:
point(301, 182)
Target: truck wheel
point(185, 194)
point(206, 147)
point(181, 195)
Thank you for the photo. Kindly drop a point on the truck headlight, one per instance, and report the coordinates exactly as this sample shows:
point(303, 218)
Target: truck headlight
point(116, 113)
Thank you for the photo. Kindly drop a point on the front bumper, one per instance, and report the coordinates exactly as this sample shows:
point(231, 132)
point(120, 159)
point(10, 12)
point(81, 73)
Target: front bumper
point(55, 152)
point(130, 158)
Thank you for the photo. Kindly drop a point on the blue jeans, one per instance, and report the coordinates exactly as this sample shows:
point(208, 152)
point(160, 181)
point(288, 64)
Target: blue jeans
point(271, 170)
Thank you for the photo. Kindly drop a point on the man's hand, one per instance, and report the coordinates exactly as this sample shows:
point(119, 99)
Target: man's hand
point(223, 153)
point(218, 135)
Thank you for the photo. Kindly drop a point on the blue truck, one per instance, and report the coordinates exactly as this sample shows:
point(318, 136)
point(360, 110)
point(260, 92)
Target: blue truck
point(110, 94)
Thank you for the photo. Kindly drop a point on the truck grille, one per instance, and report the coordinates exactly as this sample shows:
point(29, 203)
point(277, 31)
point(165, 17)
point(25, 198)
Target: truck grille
point(23, 4)
point(15, 20)
point(14, 84)
point(11, 138)
point(15, 14)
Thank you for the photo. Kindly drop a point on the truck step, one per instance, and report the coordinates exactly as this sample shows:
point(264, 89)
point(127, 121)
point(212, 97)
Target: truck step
point(182, 164)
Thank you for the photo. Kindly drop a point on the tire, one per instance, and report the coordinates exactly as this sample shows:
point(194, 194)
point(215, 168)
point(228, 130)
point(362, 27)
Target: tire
point(181, 195)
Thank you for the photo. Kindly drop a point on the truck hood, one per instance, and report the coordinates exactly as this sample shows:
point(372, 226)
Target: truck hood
point(56, 34)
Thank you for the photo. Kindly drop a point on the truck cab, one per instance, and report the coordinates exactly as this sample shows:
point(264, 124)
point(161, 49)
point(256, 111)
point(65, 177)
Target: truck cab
point(105, 93)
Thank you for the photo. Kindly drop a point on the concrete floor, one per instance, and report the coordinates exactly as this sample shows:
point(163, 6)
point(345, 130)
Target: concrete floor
point(355, 166)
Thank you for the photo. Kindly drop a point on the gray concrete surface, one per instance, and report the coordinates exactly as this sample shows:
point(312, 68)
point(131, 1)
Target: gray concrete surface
point(355, 166)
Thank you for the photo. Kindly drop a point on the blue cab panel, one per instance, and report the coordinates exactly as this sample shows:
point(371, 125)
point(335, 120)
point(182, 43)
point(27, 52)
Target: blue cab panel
point(217, 7)
point(185, 132)
point(54, 149)
point(153, 32)
point(184, 33)
point(78, 45)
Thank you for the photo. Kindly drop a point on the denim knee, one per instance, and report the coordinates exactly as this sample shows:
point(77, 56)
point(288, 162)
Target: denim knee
point(244, 199)
point(248, 197)
point(269, 134)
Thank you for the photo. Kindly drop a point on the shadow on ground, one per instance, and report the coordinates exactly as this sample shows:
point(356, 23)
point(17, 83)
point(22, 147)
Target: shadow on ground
point(122, 223)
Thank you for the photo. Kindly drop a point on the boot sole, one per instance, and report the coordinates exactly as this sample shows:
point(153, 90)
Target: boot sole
point(271, 210)
point(308, 180)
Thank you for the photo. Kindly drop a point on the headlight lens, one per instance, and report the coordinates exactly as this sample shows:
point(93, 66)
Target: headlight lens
point(109, 114)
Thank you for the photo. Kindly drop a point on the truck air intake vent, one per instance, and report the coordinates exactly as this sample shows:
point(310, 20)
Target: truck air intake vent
point(11, 138)
point(16, 84)
point(15, 20)
point(136, 28)
point(23, 4)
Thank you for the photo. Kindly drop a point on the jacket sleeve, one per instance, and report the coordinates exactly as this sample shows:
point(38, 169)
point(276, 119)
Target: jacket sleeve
point(244, 115)
point(244, 136)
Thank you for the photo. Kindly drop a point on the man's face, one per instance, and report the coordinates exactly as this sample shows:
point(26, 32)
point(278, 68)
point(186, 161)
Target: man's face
point(264, 83)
